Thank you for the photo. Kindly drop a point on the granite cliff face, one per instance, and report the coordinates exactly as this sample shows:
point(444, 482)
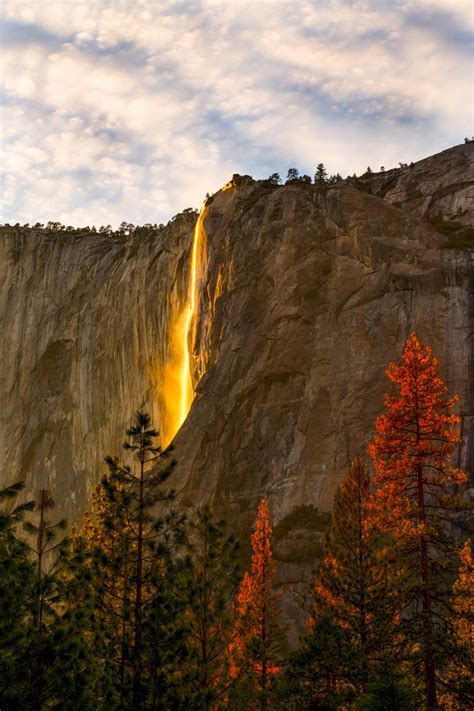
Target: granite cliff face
point(304, 296)
point(85, 332)
point(309, 295)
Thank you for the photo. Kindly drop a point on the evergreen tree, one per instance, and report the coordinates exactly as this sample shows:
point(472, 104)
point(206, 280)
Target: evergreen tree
point(320, 177)
point(44, 659)
point(17, 582)
point(354, 585)
point(127, 548)
point(275, 179)
point(459, 681)
point(254, 650)
point(209, 582)
point(415, 503)
point(316, 674)
point(293, 174)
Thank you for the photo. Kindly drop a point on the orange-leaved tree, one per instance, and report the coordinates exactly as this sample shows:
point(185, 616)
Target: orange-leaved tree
point(254, 647)
point(415, 500)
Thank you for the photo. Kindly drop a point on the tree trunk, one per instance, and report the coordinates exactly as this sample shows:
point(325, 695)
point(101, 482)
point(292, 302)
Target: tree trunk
point(430, 677)
point(138, 596)
point(40, 605)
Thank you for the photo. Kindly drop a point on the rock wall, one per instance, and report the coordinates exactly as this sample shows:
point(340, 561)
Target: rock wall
point(305, 296)
point(309, 295)
point(85, 332)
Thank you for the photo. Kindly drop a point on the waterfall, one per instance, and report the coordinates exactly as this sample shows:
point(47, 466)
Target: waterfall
point(178, 390)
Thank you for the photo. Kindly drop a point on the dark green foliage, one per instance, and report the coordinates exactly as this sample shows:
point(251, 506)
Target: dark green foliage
point(388, 693)
point(446, 227)
point(136, 634)
point(17, 583)
point(293, 174)
point(208, 582)
point(357, 583)
point(464, 239)
point(41, 654)
point(298, 537)
point(9, 519)
point(459, 236)
point(316, 674)
point(274, 178)
point(360, 184)
point(307, 517)
point(44, 655)
point(56, 229)
point(320, 176)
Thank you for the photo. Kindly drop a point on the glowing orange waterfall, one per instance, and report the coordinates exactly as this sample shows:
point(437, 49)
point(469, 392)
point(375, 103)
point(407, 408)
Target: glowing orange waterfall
point(187, 391)
point(177, 390)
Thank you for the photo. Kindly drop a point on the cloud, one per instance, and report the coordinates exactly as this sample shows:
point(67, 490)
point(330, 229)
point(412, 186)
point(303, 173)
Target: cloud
point(134, 110)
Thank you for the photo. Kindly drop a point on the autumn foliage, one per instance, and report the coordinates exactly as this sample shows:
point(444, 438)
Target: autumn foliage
point(145, 608)
point(253, 648)
point(414, 499)
point(412, 452)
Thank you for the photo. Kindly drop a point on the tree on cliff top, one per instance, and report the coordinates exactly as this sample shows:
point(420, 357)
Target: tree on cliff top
point(320, 176)
point(414, 501)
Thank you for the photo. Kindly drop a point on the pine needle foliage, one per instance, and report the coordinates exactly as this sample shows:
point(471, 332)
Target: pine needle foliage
point(127, 549)
point(356, 583)
point(255, 646)
point(209, 579)
point(416, 500)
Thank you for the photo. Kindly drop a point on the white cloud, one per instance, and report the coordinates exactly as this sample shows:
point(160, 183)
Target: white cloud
point(133, 110)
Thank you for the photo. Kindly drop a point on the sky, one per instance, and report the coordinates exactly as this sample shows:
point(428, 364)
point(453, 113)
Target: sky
point(132, 110)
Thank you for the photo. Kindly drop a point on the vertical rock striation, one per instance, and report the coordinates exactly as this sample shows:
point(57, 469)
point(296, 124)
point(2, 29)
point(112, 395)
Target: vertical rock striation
point(85, 334)
point(304, 295)
point(309, 295)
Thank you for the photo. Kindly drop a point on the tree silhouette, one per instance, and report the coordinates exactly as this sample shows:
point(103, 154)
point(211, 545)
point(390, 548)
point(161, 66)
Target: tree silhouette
point(320, 177)
point(293, 174)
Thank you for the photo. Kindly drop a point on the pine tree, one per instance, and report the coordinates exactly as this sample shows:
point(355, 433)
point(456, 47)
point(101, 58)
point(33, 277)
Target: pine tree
point(17, 582)
point(45, 656)
point(459, 682)
point(292, 175)
point(254, 649)
point(321, 176)
point(274, 178)
point(354, 585)
point(126, 547)
point(209, 583)
point(315, 676)
point(414, 502)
